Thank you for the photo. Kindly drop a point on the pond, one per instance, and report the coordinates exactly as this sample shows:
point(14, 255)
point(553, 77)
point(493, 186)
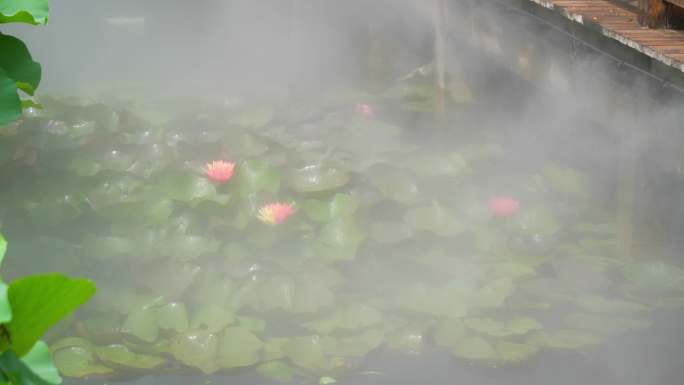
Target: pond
point(334, 234)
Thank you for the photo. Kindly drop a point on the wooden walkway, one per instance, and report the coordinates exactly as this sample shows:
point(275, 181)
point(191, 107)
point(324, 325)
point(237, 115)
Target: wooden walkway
point(620, 21)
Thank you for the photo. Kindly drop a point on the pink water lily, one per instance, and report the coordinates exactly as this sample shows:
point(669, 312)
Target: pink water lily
point(365, 110)
point(219, 171)
point(503, 206)
point(275, 213)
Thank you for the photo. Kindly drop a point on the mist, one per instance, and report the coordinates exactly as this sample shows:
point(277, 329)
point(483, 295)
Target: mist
point(530, 233)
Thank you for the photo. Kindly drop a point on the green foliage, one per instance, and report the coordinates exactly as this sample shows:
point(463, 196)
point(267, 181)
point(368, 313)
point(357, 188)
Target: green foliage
point(24, 11)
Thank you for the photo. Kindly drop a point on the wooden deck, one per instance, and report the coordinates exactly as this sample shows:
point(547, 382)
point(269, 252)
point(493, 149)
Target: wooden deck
point(620, 21)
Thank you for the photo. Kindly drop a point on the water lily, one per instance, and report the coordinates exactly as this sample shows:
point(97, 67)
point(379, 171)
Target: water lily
point(219, 171)
point(503, 206)
point(275, 213)
point(364, 110)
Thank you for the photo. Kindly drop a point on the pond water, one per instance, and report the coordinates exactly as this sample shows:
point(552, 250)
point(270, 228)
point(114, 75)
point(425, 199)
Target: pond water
point(332, 233)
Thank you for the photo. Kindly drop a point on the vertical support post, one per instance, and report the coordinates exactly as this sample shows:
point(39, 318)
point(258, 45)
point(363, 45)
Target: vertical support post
point(440, 63)
point(653, 13)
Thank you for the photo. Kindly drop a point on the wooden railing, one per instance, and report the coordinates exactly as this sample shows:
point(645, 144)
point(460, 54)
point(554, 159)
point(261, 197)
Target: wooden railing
point(657, 13)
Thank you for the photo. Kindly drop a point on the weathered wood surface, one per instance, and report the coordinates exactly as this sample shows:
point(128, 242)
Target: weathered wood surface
point(622, 23)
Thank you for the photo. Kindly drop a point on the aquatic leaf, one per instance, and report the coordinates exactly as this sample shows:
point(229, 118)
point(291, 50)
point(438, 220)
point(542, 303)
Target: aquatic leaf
point(348, 318)
point(16, 62)
point(563, 339)
point(318, 178)
point(85, 167)
point(252, 117)
point(496, 328)
point(493, 294)
point(451, 165)
point(390, 232)
point(475, 348)
point(197, 349)
point(327, 380)
point(605, 325)
point(253, 324)
point(340, 206)
point(79, 362)
point(142, 324)
point(311, 294)
point(309, 353)
point(239, 347)
point(156, 277)
point(183, 187)
point(432, 300)
point(277, 293)
point(512, 270)
point(566, 180)
point(511, 352)
point(395, 184)
point(104, 248)
point(189, 247)
point(273, 348)
point(339, 240)
point(435, 219)
point(598, 304)
point(68, 342)
point(120, 355)
point(449, 332)
point(9, 99)
point(538, 222)
point(39, 361)
point(657, 276)
point(212, 318)
point(277, 370)
point(172, 316)
point(106, 324)
point(22, 11)
point(40, 301)
point(256, 175)
point(358, 345)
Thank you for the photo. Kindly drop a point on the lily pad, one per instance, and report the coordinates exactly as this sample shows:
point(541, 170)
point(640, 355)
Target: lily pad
point(256, 175)
point(277, 370)
point(239, 347)
point(172, 316)
point(79, 362)
point(598, 304)
point(511, 352)
point(563, 339)
point(212, 318)
point(435, 219)
point(318, 178)
point(452, 165)
point(349, 318)
point(475, 348)
point(339, 240)
point(340, 206)
point(197, 349)
point(142, 324)
point(605, 324)
point(495, 328)
point(655, 276)
point(120, 355)
point(394, 184)
point(308, 352)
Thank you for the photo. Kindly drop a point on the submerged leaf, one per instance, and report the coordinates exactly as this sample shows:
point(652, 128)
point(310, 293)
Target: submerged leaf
point(318, 178)
point(239, 347)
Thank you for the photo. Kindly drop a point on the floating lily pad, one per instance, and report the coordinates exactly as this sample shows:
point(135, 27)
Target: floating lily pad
point(239, 347)
point(451, 165)
point(120, 355)
point(496, 328)
point(435, 219)
point(563, 339)
point(212, 318)
point(656, 276)
point(277, 370)
point(493, 294)
point(308, 352)
point(605, 324)
point(79, 362)
point(141, 324)
point(348, 318)
point(252, 117)
point(340, 206)
point(475, 348)
point(256, 175)
point(172, 316)
point(339, 240)
point(598, 304)
point(390, 232)
point(197, 349)
point(449, 332)
point(394, 184)
point(318, 178)
point(511, 352)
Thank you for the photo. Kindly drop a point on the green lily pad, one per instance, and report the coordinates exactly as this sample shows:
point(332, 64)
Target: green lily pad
point(318, 178)
point(475, 348)
point(142, 324)
point(239, 347)
point(277, 293)
point(79, 362)
point(349, 318)
point(598, 304)
point(453, 165)
point(256, 175)
point(493, 294)
point(211, 317)
point(277, 370)
point(120, 355)
point(563, 339)
point(358, 345)
point(340, 206)
point(390, 232)
point(511, 352)
point(655, 276)
point(537, 221)
point(395, 184)
point(172, 316)
point(437, 301)
point(104, 325)
point(339, 240)
point(449, 332)
point(198, 349)
point(308, 352)
point(605, 324)
point(495, 328)
point(435, 219)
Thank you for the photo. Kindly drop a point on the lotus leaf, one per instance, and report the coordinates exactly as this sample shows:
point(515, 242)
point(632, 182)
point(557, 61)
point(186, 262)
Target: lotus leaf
point(277, 370)
point(197, 349)
point(605, 325)
point(351, 317)
point(79, 362)
point(318, 178)
point(341, 206)
point(142, 324)
point(435, 219)
point(120, 355)
point(172, 316)
point(656, 276)
point(598, 304)
point(239, 347)
point(563, 339)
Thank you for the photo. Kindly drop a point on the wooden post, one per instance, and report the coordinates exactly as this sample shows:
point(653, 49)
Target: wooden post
point(653, 13)
point(440, 63)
